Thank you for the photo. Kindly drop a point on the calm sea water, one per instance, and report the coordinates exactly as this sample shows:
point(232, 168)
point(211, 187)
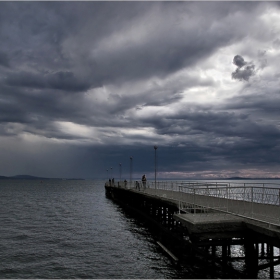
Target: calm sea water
point(69, 229)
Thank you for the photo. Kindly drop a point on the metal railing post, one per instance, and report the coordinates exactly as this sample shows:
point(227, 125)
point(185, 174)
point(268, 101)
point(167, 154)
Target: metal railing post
point(194, 200)
point(179, 198)
point(252, 200)
point(227, 196)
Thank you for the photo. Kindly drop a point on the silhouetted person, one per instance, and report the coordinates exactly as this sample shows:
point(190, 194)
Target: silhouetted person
point(144, 180)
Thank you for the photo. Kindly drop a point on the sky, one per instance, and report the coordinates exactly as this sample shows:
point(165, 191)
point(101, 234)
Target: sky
point(86, 86)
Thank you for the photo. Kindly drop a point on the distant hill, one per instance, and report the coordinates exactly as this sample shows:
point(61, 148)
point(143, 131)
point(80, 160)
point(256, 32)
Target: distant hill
point(29, 177)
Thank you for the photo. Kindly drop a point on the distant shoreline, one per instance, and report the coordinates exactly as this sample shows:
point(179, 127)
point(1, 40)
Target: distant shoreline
point(29, 177)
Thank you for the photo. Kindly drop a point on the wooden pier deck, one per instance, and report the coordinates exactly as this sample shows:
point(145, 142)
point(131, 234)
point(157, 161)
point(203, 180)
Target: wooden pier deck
point(213, 216)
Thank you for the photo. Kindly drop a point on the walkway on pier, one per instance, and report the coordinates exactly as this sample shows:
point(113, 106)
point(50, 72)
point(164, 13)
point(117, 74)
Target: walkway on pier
point(258, 204)
point(206, 213)
point(252, 210)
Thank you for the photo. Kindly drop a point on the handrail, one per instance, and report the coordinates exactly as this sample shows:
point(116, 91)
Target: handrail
point(243, 199)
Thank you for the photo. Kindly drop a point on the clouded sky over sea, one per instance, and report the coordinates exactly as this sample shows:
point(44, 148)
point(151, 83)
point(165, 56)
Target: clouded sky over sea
point(84, 86)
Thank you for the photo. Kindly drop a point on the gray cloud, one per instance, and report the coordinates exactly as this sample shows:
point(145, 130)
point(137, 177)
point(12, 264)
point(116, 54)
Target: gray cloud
point(244, 69)
point(87, 84)
point(239, 61)
point(61, 80)
point(4, 60)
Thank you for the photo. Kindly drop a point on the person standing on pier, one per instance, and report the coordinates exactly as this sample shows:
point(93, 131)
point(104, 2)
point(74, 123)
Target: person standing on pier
point(144, 179)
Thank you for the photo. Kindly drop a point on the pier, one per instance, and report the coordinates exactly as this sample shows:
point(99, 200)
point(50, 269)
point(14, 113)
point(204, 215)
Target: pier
point(206, 218)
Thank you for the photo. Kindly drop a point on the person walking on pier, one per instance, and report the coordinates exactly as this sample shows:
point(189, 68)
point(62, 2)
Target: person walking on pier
point(144, 179)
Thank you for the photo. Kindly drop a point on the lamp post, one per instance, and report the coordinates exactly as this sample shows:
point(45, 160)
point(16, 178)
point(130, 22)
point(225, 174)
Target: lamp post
point(111, 172)
point(155, 147)
point(107, 174)
point(120, 171)
point(131, 169)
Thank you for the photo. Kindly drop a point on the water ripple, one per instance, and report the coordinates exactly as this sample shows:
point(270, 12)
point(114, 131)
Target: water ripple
point(69, 229)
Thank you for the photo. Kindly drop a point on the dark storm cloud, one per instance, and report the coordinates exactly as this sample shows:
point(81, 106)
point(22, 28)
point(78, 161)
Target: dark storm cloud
point(230, 132)
point(61, 80)
point(162, 50)
point(204, 121)
point(239, 61)
point(244, 69)
point(262, 104)
point(4, 60)
point(113, 69)
point(160, 55)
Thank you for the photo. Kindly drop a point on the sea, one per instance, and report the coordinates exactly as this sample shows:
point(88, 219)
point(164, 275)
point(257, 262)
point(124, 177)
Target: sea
point(68, 229)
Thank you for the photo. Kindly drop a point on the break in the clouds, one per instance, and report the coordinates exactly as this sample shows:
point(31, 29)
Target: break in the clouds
point(84, 86)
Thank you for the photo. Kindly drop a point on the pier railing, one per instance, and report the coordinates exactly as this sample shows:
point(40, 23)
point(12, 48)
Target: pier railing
point(258, 201)
point(249, 192)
